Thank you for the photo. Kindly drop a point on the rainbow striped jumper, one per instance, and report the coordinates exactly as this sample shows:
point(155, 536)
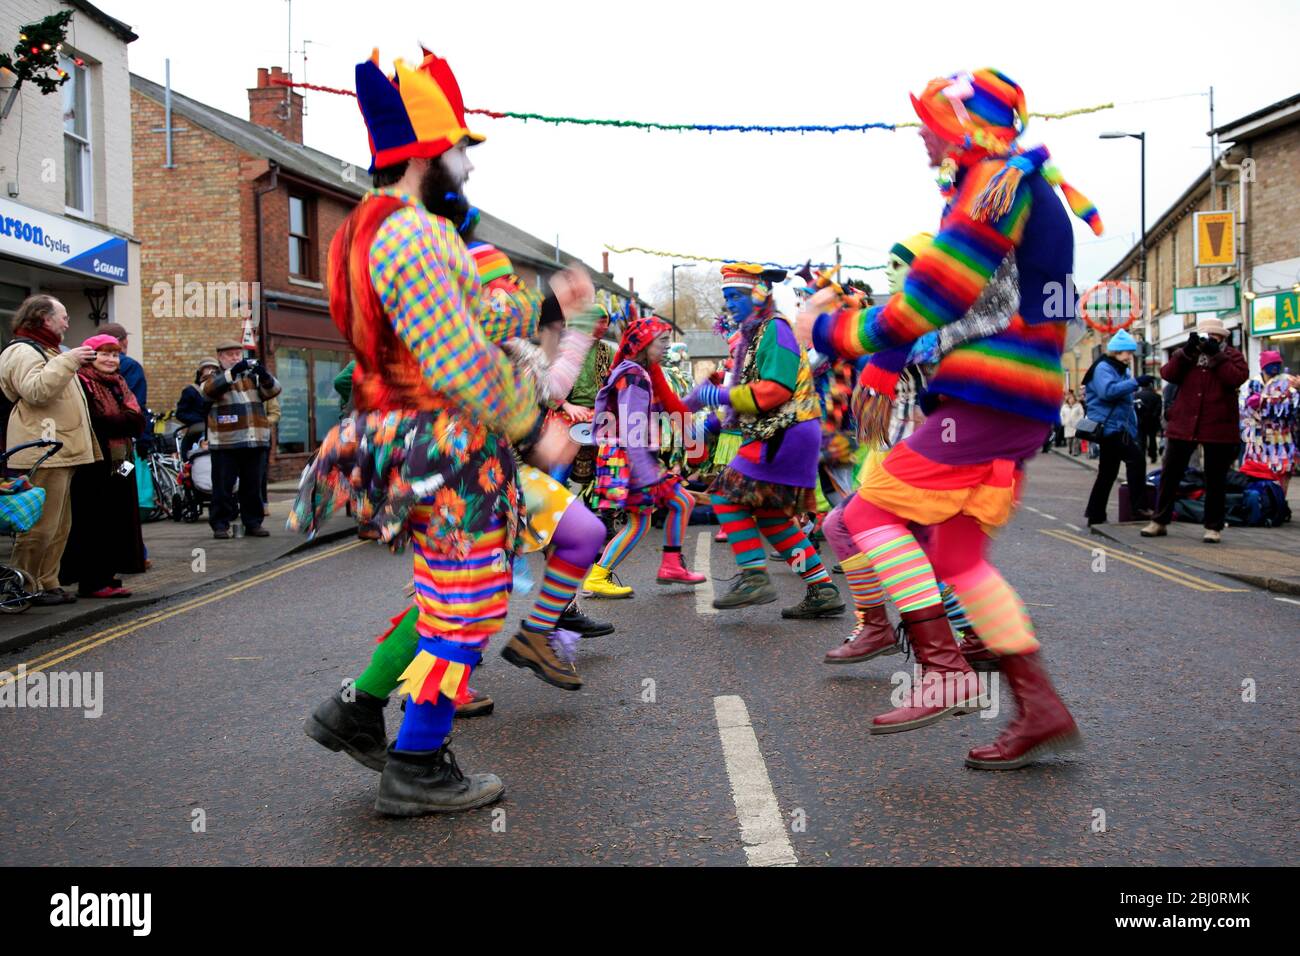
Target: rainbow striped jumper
point(999, 292)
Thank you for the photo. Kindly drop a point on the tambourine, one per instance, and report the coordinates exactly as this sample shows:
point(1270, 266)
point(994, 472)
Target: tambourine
point(583, 433)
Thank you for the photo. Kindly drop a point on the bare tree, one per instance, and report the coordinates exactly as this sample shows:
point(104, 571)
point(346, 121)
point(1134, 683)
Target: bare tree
point(699, 296)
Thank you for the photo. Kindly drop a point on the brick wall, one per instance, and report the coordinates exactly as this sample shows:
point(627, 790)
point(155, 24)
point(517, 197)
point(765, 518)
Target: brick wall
point(189, 223)
point(1274, 233)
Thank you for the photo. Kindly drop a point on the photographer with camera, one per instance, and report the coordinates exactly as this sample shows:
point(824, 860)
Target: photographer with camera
point(1208, 372)
point(239, 436)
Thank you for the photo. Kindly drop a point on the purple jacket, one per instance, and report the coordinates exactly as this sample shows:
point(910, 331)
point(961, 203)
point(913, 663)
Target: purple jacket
point(629, 387)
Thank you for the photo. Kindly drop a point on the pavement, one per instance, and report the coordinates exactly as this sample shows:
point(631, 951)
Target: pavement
point(1266, 558)
point(699, 738)
point(185, 557)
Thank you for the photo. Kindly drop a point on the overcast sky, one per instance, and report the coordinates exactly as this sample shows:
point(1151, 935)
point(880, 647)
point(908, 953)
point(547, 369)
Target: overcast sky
point(784, 197)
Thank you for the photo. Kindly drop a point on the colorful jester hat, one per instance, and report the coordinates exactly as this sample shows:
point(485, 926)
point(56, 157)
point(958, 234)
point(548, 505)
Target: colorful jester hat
point(983, 114)
point(752, 276)
point(414, 113)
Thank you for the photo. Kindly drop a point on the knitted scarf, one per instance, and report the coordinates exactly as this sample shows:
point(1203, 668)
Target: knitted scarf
point(110, 400)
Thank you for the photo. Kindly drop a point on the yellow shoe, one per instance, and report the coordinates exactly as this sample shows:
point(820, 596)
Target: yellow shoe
point(600, 585)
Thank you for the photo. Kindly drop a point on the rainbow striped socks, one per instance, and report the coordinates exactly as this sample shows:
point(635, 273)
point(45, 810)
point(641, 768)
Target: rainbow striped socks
point(995, 611)
point(560, 584)
point(796, 550)
point(902, 566)
point(862, 581)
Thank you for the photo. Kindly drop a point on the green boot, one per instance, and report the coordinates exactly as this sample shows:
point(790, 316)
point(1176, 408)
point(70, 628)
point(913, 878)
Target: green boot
point(751, 586)
point(822, 600)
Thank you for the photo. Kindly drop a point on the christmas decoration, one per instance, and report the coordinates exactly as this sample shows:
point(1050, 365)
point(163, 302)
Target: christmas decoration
point(35, 56)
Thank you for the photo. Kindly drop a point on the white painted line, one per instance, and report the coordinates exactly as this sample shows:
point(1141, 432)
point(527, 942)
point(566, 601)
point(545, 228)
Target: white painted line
point(1074, 527)
point(1287, 600)
point(1033, 509)
point(703, 592)
point(762, 828)
point(1049, 517)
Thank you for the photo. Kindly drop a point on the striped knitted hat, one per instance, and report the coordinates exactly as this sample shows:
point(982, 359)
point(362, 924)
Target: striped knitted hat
point(910, 248)
point(983, 114)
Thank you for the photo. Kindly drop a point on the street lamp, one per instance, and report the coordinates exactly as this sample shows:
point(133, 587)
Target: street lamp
point(1141, 138)
point(676, 266)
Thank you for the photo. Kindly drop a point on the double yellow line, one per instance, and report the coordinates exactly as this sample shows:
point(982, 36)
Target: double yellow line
point(113, 633)
point(1159, 570)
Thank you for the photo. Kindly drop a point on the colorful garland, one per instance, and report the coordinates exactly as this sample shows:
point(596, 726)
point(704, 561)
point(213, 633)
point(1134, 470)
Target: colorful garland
point(694, 127)
point(776, 265)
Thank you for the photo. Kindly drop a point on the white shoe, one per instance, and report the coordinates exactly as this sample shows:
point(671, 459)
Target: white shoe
point(1153, 530)
point(1212, 537)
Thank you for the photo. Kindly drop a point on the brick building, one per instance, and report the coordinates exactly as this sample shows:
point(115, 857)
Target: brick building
point(235, 234)
point(1267, 142)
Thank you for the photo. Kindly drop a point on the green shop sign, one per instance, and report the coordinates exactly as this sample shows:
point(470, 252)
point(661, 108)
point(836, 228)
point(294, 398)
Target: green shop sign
point(1275, 314)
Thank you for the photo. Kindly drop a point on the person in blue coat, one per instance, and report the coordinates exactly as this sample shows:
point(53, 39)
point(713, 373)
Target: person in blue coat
point(1109, 387)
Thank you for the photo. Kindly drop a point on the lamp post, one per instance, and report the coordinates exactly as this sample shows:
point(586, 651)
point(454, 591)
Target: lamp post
point(676, 266)
point(1142, 246)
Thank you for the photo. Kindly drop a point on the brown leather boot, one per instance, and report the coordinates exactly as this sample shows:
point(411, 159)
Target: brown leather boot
point(873, 637)
point(947, 686)
point(533, 650)
point(1042, 725)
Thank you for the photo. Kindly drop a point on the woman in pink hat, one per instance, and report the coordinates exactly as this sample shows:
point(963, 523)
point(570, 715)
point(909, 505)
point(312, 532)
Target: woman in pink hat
point(105, 539)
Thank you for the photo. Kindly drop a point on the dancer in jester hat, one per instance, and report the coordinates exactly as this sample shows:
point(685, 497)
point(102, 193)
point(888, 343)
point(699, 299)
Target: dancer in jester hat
point(769, 484)
point(1003, 253)
point(428, 457)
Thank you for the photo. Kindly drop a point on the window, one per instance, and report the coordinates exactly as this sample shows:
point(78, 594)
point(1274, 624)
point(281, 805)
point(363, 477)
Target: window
point(302, 247)
point(77, 195)
point(309, 406)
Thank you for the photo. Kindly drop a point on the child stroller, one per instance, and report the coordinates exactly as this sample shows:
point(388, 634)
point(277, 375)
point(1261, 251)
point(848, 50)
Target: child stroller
point(195, 479)
point(21, 504)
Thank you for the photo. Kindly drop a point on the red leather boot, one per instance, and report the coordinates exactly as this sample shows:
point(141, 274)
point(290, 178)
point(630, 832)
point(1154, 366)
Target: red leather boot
point(947, 686)
point(873, 637)
point(672, 570)
point(1042, 725)
point(977, 655)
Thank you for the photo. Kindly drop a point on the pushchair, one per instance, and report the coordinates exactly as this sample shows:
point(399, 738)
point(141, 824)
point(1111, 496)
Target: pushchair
point(21, 505)
point(195, 479)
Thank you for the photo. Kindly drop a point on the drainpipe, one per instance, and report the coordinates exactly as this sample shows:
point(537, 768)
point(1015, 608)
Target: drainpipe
point(261, 300)
point(1243, 171)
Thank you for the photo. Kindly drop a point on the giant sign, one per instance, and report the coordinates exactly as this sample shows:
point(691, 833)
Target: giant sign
point(48, 240)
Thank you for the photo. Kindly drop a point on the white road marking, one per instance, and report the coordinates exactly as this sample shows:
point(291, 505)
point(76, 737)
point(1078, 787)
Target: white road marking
point(1287, 600)
point(703, 592)
point(762, 828)
point(1074, 527)
point(1049, 517)
point(1033, 509)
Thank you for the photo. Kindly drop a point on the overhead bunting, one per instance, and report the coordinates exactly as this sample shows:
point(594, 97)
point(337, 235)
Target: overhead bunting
point(695, 127)
point(776, 265)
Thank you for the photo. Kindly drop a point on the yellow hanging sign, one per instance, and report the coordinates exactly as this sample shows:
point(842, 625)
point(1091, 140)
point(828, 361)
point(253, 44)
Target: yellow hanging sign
point(1216, 238)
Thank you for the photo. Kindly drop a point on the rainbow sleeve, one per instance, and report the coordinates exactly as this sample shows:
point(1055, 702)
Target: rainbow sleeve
point(943, 283)
point(409, 269)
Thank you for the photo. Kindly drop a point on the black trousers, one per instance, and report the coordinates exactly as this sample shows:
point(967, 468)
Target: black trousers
point(1219, 457)
point(1117, 449)
point(1148, 441)
point(248, 465)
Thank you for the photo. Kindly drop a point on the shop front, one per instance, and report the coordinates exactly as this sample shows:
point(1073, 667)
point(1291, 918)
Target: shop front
point(1275, 324)
point(80, 265)
point(305, 352)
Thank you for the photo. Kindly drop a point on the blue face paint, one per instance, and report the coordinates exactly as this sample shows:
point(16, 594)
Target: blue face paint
point(739, 302)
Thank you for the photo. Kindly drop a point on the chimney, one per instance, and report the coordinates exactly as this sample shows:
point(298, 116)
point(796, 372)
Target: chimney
point(631, 284)
point(275, 106)
point(604, 263)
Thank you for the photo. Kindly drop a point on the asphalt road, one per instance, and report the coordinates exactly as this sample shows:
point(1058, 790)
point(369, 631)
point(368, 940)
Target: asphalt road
point(203, 701)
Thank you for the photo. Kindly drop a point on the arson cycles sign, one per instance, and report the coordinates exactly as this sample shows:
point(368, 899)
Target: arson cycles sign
point(36, 236)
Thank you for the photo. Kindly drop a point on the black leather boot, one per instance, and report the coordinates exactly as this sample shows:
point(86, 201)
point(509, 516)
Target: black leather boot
point(356, 727)
point(417, 783)
point(574, 620)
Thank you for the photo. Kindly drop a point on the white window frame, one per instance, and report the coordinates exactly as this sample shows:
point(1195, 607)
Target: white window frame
point(81, 74)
